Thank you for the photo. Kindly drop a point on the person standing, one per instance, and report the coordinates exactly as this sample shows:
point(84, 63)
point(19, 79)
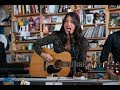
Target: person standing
point(2, 58)
point(112, 45)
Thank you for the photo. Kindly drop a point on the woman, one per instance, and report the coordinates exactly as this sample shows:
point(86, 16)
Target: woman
point(69, 35)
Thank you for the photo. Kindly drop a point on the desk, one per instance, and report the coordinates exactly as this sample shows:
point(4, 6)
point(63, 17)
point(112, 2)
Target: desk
point(62, 81)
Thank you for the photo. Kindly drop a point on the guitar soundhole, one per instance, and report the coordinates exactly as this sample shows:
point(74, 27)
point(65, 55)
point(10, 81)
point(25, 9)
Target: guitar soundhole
point(58, 64)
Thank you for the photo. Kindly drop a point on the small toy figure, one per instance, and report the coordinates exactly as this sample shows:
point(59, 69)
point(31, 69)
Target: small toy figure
point(31, 24)
point(102, 17)
point(7, 20)
point(96, 18)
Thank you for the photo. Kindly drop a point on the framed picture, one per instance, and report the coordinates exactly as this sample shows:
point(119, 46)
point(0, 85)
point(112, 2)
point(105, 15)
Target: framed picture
point(89, 18)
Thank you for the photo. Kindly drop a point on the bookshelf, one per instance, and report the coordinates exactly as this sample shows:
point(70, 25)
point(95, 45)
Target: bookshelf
point(49, 20)
point(52, 16)
point(26, 29)
point(95, 30)
point(6, 28)
point(52, 20)
point(113, 14)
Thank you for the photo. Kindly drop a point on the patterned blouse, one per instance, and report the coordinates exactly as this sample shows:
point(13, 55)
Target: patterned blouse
point(59, 41)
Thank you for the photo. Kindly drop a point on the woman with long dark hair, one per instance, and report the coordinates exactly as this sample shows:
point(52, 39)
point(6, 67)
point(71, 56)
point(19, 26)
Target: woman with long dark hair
point(69, 38)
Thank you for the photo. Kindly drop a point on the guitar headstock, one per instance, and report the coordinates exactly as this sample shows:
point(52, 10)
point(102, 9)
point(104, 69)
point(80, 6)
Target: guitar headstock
point(113, 66)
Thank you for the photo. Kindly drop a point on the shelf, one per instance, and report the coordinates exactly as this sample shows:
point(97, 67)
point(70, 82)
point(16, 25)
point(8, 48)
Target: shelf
point(115, 27)
point(113, 9)
point(88, 25)
point(96, 71)
point(25, 41)
point(27, 15)
point(90, 8)
point(95, 49)
point(5, 25)
point(7, 52)
point(32, 32)
point(53, 14)
point(52, 23)
point(23, 51)
point(97, 38)
point(93, 8)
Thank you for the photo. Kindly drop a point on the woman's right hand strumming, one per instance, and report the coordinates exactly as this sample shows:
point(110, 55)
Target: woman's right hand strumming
point(47, 57)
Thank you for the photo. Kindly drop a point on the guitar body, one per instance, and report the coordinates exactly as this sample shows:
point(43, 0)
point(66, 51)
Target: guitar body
point(40, 68)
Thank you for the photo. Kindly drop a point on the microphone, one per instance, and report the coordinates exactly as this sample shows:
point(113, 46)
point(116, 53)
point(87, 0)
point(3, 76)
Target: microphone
point(73, 54)
point(71, 41)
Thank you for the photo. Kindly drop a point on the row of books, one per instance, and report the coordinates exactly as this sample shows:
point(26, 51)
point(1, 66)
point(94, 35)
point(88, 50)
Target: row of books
point(114, 19)
point(47, 9)
point(35, 26)
point(113, 6)
point(50, 19)
point(26, 9)
point(96, 43)
point(94, 31)
point(52, 28)
point(93, 6)
point(88, 16)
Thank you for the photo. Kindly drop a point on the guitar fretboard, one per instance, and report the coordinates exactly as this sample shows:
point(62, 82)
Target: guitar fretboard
point(78, 64)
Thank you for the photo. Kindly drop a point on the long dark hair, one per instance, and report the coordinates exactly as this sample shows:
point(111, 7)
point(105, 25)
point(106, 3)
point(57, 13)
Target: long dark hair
point(78, 31)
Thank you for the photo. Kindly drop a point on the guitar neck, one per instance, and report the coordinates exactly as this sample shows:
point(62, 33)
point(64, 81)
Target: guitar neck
point(112, 65)
point(78, 64)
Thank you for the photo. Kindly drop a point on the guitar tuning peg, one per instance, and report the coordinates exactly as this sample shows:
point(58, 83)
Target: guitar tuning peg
point(112, 68)
point(117, 71)
point(113, 62)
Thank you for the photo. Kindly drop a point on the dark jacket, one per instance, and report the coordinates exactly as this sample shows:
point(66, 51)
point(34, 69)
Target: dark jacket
point(112, 45)
point(2, 53)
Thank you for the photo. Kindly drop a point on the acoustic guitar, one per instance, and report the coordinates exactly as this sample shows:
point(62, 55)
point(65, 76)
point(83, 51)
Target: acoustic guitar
point(60, 65)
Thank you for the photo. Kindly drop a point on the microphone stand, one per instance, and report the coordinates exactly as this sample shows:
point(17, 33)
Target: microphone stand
point(74, 54)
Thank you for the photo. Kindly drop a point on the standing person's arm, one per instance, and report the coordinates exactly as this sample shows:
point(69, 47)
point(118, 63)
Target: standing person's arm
point(2, 53)
point(105, 53)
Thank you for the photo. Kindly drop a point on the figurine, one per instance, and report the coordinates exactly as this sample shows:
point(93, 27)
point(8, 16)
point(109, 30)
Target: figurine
point(7, 20)
point(31, 24)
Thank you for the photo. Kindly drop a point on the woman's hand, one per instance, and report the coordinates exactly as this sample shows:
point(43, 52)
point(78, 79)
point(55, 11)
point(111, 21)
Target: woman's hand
point(47, 57)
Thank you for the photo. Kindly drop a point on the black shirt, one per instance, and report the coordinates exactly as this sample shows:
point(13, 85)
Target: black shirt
point(112, 45)
point(2, 53)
